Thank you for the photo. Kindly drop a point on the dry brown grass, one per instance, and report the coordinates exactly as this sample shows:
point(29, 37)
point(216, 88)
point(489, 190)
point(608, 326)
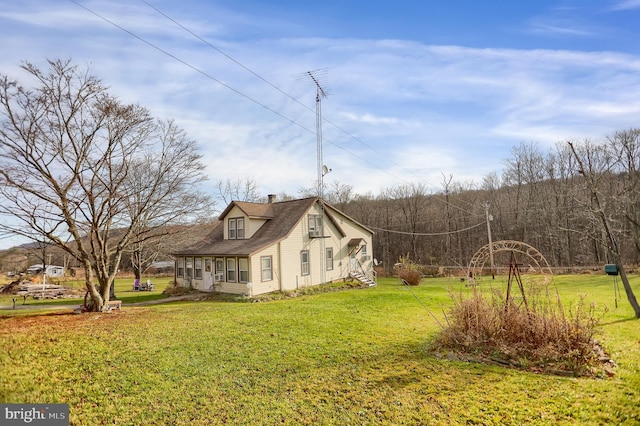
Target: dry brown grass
point(533, 331)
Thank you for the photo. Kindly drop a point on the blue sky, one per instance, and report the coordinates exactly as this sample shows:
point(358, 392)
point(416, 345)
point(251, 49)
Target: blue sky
point(417, 89)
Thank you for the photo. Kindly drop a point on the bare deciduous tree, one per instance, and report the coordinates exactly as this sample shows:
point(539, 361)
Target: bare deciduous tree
point(88, 173)
point(586, 168)
point(411, 200)
point(625, 146)
point(339, 195)
point(237, 190)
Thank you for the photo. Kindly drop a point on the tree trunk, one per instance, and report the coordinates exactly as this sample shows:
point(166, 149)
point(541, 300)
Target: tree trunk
point(97, 301)
point(627, 288)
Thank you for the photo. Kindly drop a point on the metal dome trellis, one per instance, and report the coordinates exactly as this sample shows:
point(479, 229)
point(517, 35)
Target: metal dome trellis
point(481, 256)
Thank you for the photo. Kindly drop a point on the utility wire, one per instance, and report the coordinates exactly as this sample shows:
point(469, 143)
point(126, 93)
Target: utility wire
point(422, 234)
point(423, 305)
point(198, 70)
point(209, 76)
point(240, 64)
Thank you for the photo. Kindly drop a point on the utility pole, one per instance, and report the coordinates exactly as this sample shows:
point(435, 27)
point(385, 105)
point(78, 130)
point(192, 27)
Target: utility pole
point(44, 268)
point(489, 219)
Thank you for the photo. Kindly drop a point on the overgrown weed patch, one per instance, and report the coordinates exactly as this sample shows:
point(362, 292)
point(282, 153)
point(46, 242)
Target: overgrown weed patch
point(531, 331)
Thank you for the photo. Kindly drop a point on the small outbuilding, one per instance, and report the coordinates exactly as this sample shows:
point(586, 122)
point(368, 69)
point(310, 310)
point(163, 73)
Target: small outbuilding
point(53, 271)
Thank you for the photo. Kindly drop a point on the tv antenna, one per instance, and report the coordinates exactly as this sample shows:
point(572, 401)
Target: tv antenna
point(317, 78)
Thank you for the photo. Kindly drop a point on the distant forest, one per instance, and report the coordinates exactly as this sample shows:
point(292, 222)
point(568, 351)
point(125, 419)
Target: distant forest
point(555, 200)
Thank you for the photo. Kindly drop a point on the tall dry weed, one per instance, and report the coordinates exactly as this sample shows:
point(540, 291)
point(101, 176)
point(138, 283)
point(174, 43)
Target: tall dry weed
point(529, 329)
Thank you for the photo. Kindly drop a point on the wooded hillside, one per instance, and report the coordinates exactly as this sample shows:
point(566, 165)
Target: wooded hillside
point(541, 198)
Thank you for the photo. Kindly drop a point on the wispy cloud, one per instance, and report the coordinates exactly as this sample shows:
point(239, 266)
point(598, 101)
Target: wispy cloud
point(551, 29)
point(626, 5)
point(405, 110)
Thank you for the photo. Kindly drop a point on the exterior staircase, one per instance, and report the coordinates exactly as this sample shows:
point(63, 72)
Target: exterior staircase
point(363, 278)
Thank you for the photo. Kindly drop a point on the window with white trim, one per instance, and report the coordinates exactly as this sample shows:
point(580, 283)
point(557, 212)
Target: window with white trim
point(231, 270)
point(188, 273)
point(315, 225)
point(220, 273)
point(243, 269)
point(198, 268)
point(265, 267)
point(236, 228)
point(240, 228)
point(180, 272)
point(329, 258)
point(304, 262)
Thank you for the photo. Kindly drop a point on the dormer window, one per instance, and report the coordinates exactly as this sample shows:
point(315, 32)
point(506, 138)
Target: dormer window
point(236, 228)
point(315, 226)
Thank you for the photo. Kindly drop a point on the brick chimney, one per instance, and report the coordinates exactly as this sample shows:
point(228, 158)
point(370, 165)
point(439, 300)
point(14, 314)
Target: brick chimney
point(271, 198)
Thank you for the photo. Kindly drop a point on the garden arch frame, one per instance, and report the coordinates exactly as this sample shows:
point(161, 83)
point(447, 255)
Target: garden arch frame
point(479, 259)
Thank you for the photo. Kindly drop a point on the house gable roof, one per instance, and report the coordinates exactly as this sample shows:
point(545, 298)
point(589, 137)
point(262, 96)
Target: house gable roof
point(281, 217)
point(252, 210)
point(330, 207)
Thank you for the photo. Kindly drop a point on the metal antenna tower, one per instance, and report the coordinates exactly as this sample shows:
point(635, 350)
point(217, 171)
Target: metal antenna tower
point(317, 78)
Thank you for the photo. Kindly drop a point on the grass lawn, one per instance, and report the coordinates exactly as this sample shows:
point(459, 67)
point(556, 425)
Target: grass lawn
point(349, 357)
point(123, 289)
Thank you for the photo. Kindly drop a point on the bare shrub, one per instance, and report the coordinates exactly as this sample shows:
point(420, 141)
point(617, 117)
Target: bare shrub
point(408, 270)
point(533, 332)
point(175, 290)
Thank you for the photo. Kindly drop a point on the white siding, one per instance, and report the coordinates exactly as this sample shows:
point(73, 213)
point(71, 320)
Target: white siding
point(285, 255)
point(290, 251)
point(252, 226)
point(299, 240)
point(255, 272)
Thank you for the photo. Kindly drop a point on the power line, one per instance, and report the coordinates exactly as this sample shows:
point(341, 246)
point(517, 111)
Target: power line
point(198, 70)
point(422, 234)
point(209, 76)
point(223, 53)
point(257, 75)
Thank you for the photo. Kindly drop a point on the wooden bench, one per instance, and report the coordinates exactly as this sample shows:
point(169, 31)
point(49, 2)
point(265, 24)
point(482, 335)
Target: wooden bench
point(114, 304)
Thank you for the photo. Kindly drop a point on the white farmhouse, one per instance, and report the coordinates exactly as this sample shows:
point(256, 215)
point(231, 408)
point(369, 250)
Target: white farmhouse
point(258, 248)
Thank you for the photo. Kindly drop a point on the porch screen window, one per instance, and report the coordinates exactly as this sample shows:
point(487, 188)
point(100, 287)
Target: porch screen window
point(198, 268)
point(304, 262)
point(180, 268)
point(219, 269)
point(189, 267)
point(265, 265)
point(243, 269)
point(329, 260)
point(231, 270)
